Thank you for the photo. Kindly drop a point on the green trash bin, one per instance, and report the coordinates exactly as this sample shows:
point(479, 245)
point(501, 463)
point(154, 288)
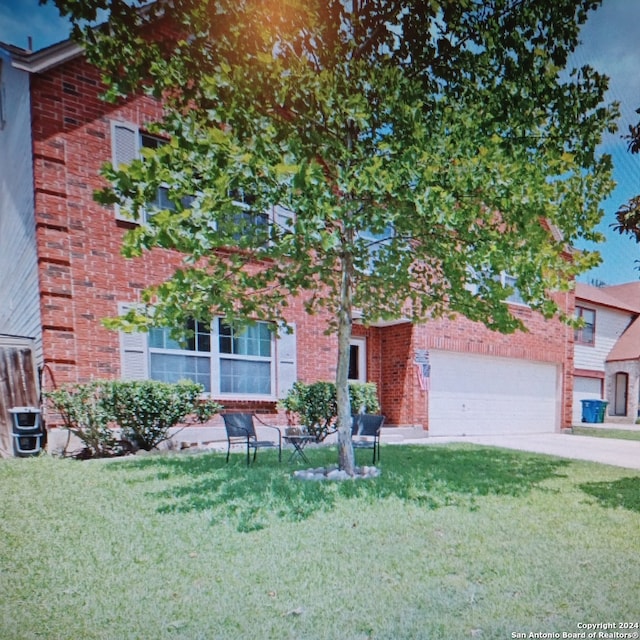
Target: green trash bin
point(602, 410)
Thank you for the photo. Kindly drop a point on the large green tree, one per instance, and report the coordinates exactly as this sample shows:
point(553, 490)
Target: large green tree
point(628, 215)
point(425, 147)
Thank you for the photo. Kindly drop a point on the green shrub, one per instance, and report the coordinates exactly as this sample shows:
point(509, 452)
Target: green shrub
point(144, 410)
point(147, 410)
point(364, 397)
point(316, 408)
point(84, 414)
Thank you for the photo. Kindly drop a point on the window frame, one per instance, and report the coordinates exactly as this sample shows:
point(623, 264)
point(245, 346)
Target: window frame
point(359, 343)
point(242, 357)
point(248, 213)
point(133, 151)
point(215, 355)
point(578, 335)
point(128, 141)
point(507, 280)
point(152, 207)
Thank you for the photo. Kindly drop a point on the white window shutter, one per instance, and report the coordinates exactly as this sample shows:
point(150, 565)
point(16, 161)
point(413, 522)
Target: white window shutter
point(125, 143)
point(134, 360)
point(286, 361)
point(283, 218)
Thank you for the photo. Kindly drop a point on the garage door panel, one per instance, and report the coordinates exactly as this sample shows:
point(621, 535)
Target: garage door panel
point(584, 389)
point(481, 395)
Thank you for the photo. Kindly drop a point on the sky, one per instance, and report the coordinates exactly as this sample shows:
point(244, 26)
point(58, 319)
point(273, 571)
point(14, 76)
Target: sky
point(610, 44)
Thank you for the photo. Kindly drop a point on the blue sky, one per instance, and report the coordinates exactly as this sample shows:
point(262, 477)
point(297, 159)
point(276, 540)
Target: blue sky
point(610, 44)
point(20, 19)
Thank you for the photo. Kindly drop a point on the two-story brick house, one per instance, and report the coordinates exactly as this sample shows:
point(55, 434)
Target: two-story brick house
point(479, 381)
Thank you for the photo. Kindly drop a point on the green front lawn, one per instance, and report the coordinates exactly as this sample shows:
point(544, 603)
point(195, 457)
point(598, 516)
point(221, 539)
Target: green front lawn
point(450, 542)
point(618, 434)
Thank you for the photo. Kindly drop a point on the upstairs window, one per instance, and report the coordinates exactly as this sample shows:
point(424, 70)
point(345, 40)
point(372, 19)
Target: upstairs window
point(127, 142)
point(510, 281)
point(587, 333)
point(161, 201)
point(374, 243)
point(247, 219)
point(506, 280)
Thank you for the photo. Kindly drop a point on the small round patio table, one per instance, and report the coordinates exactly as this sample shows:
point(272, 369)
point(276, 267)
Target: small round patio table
point(299, 442)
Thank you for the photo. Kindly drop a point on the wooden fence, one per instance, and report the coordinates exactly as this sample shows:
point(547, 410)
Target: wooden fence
point(18, 388)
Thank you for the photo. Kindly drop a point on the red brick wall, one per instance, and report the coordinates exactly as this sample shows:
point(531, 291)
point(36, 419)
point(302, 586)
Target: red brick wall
point(83, 276)
point(545, 341)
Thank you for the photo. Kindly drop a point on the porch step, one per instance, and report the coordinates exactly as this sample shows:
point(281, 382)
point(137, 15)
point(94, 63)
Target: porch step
point(398, 434)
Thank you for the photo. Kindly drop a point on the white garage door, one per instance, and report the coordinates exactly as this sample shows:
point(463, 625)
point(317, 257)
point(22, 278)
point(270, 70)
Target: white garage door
point(584, 389)
point(476, 395)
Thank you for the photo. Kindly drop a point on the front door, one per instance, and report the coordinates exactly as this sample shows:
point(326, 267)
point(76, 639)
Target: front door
point(358, 360)
point(621, 387)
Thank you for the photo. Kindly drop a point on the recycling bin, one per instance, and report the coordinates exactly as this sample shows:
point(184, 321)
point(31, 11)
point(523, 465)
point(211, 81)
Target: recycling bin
point(27, 431)
point(602, 410)
point(590, 410)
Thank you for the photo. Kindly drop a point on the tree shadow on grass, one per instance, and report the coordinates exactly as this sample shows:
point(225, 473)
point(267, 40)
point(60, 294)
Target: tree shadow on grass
point(432, 477)
point(623, 493)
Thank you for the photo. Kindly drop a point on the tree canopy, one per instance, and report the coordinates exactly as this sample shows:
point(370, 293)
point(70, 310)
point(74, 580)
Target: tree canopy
point(628, 215)
point(423, 148)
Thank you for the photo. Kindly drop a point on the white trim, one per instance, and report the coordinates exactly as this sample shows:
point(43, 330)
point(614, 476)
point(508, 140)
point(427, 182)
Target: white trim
point(45, 59)
point(515, 297)
point(361, 343)
point(218, 356)
point(282, 365)
point(8, 340)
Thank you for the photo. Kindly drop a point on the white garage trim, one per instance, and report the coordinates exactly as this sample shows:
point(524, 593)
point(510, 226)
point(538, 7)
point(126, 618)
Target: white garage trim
point(474, 395)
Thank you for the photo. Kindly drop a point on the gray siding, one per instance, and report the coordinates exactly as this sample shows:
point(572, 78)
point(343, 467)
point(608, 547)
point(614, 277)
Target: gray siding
point(610, 325)
point(19, 289)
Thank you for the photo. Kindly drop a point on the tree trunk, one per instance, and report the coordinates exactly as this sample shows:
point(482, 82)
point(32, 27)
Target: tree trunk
point(346, 460)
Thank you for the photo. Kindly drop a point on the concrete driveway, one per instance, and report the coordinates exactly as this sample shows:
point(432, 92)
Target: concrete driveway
point(619, 453)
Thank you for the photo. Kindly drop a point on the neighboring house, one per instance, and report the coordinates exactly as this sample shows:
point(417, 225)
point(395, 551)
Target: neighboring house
point(448, 376)
point(19, 296)
point(607, 350)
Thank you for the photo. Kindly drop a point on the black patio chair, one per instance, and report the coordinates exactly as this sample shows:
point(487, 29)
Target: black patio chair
point(365, 433)
point(241, 430)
